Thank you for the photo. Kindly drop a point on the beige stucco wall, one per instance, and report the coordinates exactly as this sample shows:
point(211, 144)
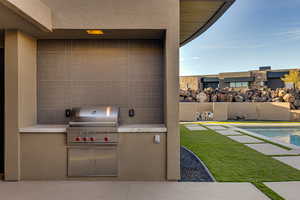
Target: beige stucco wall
point(140, 158)
point(113, 14)
point(188, 110)
point(136, 14)
point(43, 156)
point(27, 80)
point(12, 140)
point(34, 11)
point(20, 95)
point(295, 115)
point(248, 110)
point(171, 98)
point(274, 111)
point(220, 111)
point(260, 111)
point(104, 14)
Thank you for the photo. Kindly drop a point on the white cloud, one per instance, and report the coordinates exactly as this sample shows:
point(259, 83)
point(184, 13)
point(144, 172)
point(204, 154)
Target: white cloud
point(292, 34)
point(233, 46)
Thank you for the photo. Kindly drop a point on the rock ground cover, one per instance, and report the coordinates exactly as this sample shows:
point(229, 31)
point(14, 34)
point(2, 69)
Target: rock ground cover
point(191, 169)
point(244, 95)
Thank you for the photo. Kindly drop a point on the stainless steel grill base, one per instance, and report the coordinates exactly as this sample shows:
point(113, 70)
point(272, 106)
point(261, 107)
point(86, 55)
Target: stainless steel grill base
point(92, 138)
point(92, 161)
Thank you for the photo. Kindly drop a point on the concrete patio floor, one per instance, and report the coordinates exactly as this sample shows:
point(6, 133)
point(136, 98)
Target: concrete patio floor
point(93, 190)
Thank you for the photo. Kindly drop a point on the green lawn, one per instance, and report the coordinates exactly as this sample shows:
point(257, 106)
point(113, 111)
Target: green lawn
point(230, 161)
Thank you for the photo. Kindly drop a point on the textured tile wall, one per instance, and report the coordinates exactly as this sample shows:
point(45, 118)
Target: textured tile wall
point(126, 73)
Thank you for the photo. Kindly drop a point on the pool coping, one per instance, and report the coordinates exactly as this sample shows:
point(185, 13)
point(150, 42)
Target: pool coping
point(291, 146)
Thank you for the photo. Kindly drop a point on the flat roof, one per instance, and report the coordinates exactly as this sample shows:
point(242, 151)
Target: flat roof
point(196, 16)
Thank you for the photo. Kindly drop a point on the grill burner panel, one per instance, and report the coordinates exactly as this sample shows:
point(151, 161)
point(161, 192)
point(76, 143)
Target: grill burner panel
point(92, 136)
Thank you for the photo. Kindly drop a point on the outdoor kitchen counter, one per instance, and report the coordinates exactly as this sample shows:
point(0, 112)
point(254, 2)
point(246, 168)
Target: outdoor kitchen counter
point(141, 153)
point(129, 128)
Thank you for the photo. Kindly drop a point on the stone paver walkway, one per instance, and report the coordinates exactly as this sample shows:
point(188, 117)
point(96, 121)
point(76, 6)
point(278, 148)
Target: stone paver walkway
point(293, 161)
point(269, 149)
point(296, 151)
point(196, 128)
point(228, 132)
point(245, 139)
point(288, 190)
point(192, 125)
point(263, 147)
point(94, 190)
point(214, 127)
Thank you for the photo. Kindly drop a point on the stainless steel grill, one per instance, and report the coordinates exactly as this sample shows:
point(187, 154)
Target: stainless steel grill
point(98, 116)
point(92, 140)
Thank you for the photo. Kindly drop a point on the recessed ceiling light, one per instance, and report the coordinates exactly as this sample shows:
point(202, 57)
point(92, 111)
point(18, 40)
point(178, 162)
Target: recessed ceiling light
point(94, 32)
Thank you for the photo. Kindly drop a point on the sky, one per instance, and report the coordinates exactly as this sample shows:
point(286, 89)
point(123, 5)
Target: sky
point(250, 34)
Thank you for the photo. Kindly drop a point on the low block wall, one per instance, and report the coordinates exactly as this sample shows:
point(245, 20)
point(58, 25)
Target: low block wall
point(260, 111)
point(246, 110)
point(187, 110)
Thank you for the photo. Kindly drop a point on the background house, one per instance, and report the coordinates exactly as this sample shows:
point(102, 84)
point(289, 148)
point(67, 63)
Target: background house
point(264, 77)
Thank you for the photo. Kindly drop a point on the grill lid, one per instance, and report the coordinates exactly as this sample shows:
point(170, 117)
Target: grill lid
point(95, 116)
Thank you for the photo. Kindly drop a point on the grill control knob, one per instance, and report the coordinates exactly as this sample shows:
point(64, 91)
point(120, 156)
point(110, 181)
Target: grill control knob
point(78, 139)
point(93, 139)
point(106, 139)
point(85, 139)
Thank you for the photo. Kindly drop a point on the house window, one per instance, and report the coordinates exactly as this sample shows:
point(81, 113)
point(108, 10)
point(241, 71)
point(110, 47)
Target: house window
point(238, 84)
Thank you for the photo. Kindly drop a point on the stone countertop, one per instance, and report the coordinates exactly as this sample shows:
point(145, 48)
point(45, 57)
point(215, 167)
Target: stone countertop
point(129, 128)
point(142, 128)
point(45, 128)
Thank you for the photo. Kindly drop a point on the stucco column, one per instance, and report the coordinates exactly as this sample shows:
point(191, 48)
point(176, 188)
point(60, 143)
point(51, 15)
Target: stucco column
point(20, 96)
point(172, 98)
point(12, 138)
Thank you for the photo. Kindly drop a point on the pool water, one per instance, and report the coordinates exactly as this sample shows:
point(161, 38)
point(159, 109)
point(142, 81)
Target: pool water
point(290, 135)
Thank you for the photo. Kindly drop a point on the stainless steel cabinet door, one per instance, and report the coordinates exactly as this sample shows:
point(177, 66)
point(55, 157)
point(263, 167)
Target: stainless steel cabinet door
point(80, 161)
point(94, 161)
point(106, 161)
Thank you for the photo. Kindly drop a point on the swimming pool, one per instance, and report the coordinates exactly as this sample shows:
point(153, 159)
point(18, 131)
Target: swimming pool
point(290, 135)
